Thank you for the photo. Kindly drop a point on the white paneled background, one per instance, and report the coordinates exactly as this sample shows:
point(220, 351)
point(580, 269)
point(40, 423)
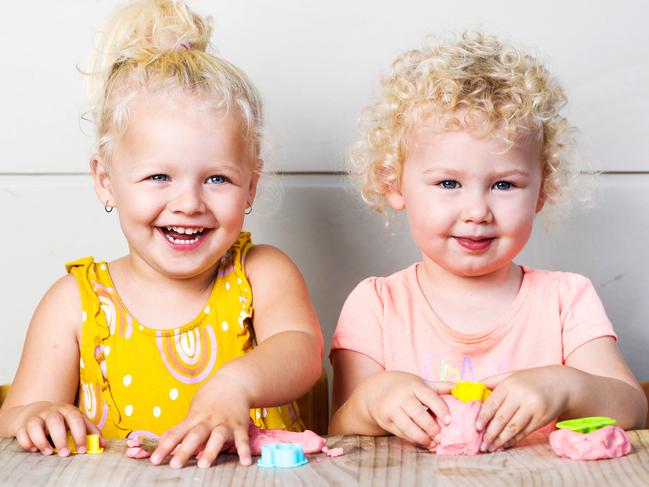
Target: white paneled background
point(317, 64)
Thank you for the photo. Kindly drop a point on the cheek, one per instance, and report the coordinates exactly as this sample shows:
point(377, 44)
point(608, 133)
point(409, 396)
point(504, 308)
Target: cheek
point(137, 205)
point(518, 220)
point(426, 225)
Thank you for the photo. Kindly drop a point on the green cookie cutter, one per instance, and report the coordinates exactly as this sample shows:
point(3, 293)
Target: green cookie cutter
point(586, 425)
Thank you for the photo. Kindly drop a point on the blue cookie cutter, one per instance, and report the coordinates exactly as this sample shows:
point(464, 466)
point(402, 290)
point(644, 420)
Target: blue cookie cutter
point(282, 455)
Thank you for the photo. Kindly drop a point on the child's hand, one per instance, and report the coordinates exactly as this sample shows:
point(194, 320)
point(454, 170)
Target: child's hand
point(521, 403)
point(218, 415)
point(405, 405)
point(43, 418)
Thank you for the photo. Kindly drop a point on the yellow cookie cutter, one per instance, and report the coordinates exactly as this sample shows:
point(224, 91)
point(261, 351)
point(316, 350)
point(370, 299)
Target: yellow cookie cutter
point(470, 391)
point(586, 425)
point(92, 444)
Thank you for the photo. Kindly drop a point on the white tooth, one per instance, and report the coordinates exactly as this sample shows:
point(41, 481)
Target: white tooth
point(190, 231)
point(180, 230)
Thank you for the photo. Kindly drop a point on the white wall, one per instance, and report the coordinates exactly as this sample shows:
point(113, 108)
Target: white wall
point(317, 64)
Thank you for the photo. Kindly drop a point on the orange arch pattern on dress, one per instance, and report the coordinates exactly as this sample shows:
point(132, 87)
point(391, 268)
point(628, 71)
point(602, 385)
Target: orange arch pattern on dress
point(189, 356)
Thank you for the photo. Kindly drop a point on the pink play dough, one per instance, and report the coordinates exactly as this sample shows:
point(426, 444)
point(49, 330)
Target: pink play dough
point(135, 449)
point(460, 436)
point(607, 442)
point(311, 442)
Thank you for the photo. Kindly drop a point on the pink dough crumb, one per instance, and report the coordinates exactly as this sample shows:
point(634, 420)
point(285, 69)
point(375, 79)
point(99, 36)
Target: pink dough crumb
point(460, 436)
point(607, 442)
point(333, 452)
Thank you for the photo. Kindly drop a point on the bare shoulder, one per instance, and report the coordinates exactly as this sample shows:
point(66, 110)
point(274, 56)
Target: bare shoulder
point(280, 294)
point(267, 260)
point(62, 304)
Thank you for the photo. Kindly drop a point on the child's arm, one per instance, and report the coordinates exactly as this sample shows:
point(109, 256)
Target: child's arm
point(368, 400)
point(41, 398)
point(286, 362)
point(594, 382)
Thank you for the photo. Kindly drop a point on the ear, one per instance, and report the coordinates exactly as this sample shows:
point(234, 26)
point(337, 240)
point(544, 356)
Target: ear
point(258, 167)
point(395, 198)
point(101, 179)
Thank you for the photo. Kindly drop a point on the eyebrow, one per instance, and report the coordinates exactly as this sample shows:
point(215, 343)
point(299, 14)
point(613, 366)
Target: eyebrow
point(513, 172)
point(164, 164)
point(453, 172)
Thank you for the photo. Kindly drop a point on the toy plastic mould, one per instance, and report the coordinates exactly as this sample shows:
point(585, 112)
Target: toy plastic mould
point(92, 445)
point(470, 391)
point(586, 425)
point(282, 455)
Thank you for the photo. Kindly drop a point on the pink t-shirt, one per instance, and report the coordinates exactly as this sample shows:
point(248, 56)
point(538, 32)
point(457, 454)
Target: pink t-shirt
point(390, 320)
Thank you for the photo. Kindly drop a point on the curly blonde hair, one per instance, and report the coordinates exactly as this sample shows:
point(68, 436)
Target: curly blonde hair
point(155, 46)
point(495, 87)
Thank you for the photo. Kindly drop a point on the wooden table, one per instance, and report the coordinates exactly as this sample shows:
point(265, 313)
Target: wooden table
point(367, 461)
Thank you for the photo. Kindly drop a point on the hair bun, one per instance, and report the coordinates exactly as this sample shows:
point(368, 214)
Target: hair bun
point(148, 28)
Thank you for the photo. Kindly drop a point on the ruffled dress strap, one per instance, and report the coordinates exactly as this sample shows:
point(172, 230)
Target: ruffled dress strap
point(100, 317)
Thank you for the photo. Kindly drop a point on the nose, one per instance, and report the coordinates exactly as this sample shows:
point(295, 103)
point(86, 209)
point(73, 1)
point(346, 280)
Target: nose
point(188, 200)
point(476, 208)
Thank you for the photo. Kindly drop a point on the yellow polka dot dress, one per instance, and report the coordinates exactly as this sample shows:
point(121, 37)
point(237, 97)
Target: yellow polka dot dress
point(139, 381)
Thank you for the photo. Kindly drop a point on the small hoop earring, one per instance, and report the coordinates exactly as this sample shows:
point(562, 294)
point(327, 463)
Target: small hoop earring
point(108, 208)
point(248, 210)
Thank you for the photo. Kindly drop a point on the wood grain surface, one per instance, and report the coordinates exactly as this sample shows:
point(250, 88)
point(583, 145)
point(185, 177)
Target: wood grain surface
point(367, 461)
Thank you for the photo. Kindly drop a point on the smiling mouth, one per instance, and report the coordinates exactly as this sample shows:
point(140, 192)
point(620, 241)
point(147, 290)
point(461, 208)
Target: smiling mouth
point(183, 235)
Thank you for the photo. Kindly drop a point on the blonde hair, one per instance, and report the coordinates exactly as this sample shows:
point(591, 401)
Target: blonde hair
point(496, 88)
point(157, 45)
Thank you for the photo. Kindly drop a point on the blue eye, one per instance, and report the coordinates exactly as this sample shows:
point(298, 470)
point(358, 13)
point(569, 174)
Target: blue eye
point(159, 177)
point(449, 184)
point(218, 179)
point(503, 185)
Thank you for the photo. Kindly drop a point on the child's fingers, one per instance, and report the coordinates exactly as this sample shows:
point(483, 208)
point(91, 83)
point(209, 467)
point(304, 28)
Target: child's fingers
point(499, 421)
point(169, 440)
point(77, 427)
point(516, 424)
point(242, 444)
point(192, 441)
point(213, 447)
point(531, 427)
point(406, 428)
point(25, 441)
point(489, 408)
point(36, 431)
point(58, 431)
point(421, 416)
point(441, 387)
point(493, 380)
point(437, 406)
